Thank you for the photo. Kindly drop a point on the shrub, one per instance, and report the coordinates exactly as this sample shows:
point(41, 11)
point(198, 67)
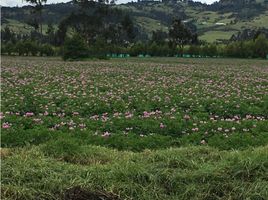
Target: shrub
point(27, 47)
point(8, 48)
point(21, 49)
point(32, 47)
point(260, 47)
point(138, 48)
point(194, 50)
point(47, 50)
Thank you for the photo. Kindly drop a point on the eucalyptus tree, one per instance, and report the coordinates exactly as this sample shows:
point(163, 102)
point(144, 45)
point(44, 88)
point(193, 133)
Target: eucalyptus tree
point(37, 11)
point(98, 20)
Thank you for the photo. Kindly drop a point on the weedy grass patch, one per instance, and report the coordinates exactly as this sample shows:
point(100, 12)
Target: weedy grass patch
point(176, 173)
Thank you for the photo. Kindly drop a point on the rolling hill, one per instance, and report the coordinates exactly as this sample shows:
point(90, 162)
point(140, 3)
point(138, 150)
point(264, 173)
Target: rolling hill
point(215, 22)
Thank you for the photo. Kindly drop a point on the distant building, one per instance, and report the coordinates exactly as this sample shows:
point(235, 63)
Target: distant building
point(165, 1)
point(148, 1)
point(220, 23)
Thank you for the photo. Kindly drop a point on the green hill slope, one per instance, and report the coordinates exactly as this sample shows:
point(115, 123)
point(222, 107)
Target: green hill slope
point(213, 22)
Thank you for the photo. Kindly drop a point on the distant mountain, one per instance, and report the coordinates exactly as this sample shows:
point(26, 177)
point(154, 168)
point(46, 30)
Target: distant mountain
point(218, 21)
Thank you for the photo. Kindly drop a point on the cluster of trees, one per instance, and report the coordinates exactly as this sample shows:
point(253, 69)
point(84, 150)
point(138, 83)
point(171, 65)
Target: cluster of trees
point(181, 41)
point(255, 48)
point(49, 37)
point(249, 34)
point(242, 9)
point(27, 48)
point(98, 21)
point(76, 47)
point(179, 36)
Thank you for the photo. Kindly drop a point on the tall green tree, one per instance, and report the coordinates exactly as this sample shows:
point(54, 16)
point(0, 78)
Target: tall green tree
point(7, 35)
point(180, 35)
point(75, 48)
point(51, 34)
point(159, 37)
point(96, 20)
point(38, 7)
point(128, 27)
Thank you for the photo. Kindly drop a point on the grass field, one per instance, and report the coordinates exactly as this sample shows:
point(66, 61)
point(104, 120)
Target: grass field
point(212, 36)
point(152, 128)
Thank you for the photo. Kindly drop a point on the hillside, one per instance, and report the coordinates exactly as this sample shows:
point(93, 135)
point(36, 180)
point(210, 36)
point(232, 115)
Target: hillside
point(218, 21)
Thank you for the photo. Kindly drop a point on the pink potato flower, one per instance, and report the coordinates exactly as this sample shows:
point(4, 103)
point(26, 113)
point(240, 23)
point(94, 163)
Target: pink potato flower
point(29, 114)
point(106, 134)
point(6, 125)
point(162, 125)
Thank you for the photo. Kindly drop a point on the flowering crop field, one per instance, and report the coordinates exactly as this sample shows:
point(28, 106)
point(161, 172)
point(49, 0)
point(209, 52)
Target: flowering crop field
point(134, 129)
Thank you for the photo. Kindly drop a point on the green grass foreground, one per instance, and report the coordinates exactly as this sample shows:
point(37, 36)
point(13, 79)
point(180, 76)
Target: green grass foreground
point(102, 173)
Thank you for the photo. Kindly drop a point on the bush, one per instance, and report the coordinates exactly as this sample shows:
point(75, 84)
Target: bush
point(138, 48)
point(257, 48)
point(260, 47)
point(194, 50)
point(47, 50)
point(8, 48)
point(20, 47)
point(32, 47)
point(27, 47)
point(75, 48)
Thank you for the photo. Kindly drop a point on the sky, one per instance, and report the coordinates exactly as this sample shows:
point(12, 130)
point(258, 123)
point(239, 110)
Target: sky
point(12, 3)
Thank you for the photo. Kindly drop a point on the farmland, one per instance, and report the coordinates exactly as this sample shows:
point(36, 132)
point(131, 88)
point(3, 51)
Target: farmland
point(152, 128)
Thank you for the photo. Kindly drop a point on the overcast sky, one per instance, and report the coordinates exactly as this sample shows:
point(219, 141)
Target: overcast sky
point(21, 2)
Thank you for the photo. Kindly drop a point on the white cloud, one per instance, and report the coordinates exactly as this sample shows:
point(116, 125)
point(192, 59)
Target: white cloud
point(12, 3)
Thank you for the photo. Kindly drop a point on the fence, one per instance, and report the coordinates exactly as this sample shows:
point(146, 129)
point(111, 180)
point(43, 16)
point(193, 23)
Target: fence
point(122, 55)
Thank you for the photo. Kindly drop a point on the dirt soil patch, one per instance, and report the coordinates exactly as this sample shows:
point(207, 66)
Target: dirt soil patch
point(79, 193)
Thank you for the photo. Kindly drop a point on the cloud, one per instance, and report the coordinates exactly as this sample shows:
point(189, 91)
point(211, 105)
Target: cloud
point(12, 3)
